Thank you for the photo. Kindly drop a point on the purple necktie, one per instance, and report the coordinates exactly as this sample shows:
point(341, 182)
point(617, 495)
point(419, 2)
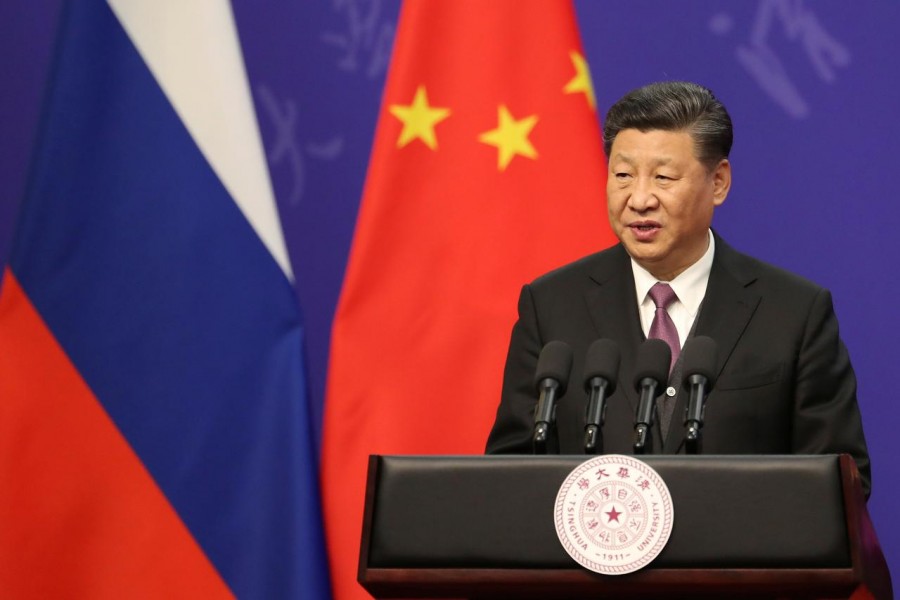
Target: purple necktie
point(662, 327)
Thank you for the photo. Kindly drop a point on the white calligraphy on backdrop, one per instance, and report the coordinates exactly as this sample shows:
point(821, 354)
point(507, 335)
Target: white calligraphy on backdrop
point(367, 38)
point(364, 39)
point(799, 25)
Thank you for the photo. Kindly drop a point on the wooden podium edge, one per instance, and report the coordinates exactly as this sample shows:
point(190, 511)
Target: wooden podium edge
point(363, 570)
point(869, 565)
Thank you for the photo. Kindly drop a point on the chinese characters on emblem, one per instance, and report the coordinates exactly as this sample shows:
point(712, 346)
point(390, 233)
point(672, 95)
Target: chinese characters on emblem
point(619, 495)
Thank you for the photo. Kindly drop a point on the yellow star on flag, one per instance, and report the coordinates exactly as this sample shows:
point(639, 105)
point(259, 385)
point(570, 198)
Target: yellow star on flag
point(582, 80)
point(419, 119)
point(510, 137)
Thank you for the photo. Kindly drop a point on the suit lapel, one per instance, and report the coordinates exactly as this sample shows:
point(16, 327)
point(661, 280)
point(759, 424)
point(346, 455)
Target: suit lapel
point(608, 301)
point(729, 303)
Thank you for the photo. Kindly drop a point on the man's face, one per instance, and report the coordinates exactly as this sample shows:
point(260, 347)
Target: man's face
point(661, 198)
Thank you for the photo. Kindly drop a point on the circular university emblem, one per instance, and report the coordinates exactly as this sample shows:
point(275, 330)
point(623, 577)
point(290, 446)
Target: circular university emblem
point(613, 514)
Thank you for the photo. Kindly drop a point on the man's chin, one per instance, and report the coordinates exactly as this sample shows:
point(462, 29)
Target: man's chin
point(643, 252)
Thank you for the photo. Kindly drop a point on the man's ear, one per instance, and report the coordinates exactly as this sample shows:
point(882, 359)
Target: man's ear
point(721, 181)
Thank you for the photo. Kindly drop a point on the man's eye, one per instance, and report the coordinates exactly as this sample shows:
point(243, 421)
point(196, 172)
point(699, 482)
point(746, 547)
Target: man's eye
point(664, 178)
point(622, 175)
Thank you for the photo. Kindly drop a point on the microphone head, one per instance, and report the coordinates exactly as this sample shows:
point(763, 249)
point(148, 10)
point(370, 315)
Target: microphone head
point(653, 360)
point(602, 360)
point(555, 362)
point(699, 359)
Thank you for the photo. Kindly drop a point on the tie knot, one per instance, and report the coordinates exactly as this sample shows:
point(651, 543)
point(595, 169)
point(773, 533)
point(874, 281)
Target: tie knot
point(662, 295)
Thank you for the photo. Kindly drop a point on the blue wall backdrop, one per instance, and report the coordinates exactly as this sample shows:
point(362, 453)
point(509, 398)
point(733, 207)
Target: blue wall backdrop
point(812, 87)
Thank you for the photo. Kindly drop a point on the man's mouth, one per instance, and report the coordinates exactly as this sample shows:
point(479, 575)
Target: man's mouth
point(645, 231)
point(645, 226)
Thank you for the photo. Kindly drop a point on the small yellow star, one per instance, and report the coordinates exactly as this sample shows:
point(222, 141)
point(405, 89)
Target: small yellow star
point(419, 119)
point(510, 137)
point(582, 80)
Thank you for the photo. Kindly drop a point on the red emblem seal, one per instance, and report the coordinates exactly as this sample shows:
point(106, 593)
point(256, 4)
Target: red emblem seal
point(613, 514)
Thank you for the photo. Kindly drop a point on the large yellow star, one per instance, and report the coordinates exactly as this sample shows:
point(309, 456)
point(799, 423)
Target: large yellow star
point(582, 80)
point(419, 119)
point(510, 137)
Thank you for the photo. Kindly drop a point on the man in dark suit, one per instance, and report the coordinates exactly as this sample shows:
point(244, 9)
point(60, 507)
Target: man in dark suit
point(784, 380)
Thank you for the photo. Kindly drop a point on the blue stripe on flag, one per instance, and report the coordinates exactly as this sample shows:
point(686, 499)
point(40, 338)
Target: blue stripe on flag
point(174, 312)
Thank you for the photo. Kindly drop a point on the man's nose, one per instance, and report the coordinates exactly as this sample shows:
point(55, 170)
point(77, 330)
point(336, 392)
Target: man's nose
point(643, 196)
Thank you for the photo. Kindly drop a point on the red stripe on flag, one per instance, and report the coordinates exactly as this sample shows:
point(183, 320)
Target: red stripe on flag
point(80, 517)
point(487, 170)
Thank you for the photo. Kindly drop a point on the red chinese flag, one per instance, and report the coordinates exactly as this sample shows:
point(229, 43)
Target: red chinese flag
point(487, 170)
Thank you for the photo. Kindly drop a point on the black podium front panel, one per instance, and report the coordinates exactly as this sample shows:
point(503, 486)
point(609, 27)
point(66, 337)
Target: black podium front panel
point(497, 512)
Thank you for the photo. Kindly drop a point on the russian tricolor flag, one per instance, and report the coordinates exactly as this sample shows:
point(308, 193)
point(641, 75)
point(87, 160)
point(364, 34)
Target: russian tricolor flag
point(154, 431)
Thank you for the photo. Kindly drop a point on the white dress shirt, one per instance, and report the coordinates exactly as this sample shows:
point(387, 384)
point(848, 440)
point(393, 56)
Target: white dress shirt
point(689, 286)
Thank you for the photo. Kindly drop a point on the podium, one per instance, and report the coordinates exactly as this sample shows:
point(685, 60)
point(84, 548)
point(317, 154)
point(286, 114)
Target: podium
point(744, 527)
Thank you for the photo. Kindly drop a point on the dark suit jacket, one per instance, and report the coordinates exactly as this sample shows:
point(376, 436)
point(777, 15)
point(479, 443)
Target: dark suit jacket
point(785, 384)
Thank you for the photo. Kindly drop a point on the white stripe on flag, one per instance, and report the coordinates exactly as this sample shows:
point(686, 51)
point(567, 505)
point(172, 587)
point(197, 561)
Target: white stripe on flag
point(192, 49)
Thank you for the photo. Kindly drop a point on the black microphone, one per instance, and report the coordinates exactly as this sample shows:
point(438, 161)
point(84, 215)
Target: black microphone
point(551, 378)
point(601, 367)
point(699, 366)
point(650, 377)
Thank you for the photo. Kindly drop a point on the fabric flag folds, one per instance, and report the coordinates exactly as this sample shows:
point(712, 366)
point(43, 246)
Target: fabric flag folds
point(154, 432)
point(487, 170)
